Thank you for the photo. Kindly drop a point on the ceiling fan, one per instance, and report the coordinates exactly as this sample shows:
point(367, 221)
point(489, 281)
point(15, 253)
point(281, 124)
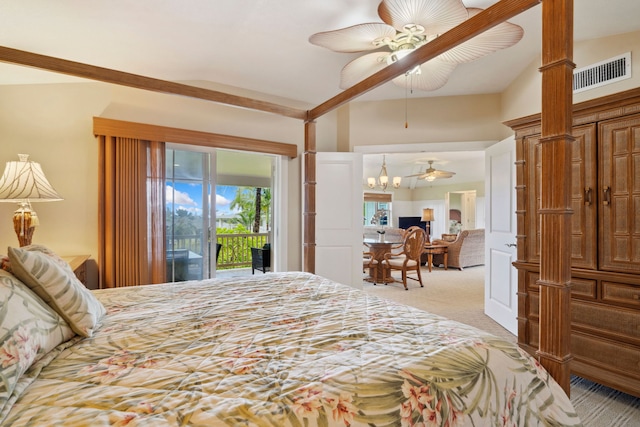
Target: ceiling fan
point(407, 25)
point(432, 173)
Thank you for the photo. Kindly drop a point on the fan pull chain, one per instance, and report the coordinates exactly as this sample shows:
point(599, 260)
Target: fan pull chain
point(407, 75)
point(406, 120)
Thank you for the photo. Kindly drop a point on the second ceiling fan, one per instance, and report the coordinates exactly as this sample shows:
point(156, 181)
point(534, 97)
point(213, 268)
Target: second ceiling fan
point(431, 174)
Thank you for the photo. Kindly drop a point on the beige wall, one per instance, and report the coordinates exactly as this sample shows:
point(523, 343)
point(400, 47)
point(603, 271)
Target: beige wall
point(53, 124)
point(438, 192)
point(434, 192)
point(523, 97)
point(439, 119)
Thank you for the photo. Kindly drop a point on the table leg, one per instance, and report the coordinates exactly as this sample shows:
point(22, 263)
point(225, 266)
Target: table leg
point(446, 259)
point(430, 260)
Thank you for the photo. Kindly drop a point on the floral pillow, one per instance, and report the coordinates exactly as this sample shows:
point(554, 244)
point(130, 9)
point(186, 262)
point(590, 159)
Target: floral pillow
point(59, 287)
point(29, 329)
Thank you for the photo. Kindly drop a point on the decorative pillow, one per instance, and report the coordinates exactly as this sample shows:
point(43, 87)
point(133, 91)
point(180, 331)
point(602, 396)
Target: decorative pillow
point(29, 329)
point(5, 263)
point(59, 287)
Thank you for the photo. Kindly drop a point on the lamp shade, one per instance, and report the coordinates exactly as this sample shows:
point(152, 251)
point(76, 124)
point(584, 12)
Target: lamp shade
point(427, 214)
point(24, 181)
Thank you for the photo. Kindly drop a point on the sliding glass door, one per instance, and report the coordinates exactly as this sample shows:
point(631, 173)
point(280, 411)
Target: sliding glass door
point(190, 179)
point(209, 235)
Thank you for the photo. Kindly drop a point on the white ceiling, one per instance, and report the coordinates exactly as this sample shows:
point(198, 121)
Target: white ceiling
point(258, 45)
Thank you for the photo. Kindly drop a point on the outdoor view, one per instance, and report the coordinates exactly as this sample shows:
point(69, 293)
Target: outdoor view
point(242, 220)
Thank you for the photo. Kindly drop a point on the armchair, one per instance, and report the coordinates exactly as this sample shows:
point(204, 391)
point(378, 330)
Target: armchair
point(466, 250)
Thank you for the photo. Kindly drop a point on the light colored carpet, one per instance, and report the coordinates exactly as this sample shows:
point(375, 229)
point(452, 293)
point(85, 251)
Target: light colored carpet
point(459, 295)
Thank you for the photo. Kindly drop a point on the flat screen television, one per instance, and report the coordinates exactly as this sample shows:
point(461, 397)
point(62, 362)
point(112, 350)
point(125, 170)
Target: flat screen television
point(405, 222)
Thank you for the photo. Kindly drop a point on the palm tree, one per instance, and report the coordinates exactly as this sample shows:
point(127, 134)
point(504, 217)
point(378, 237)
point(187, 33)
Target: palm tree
point(252, 203)
point(266, 206)
point(256, 220)
point(244, 203)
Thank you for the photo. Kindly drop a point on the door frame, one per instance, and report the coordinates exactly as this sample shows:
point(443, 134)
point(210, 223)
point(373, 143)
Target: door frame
point(279, 194)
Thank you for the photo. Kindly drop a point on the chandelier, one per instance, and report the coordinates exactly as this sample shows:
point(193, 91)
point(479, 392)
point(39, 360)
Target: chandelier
point(383, 178)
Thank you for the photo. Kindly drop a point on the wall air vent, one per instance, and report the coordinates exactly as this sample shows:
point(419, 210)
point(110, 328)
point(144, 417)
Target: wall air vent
point(602, 73)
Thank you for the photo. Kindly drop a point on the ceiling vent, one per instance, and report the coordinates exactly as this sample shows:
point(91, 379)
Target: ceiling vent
point(602, 73)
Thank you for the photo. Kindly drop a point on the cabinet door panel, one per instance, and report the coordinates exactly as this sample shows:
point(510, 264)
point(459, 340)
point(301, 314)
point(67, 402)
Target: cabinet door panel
point(619, 145)
point(583, 188)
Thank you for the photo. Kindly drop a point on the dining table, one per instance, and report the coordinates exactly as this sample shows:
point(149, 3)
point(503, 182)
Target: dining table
point(378, 248)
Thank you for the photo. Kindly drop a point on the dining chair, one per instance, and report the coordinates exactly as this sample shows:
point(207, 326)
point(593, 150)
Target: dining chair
point(369, 262)
point(397, 251)
point(409, 258)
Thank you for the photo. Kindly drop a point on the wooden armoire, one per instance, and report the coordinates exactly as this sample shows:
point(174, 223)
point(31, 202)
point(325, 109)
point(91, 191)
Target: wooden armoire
point(605, 238)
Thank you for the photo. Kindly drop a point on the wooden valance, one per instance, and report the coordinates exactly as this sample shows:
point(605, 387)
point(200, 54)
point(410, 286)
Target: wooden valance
point(377, 197)
point(149, 132)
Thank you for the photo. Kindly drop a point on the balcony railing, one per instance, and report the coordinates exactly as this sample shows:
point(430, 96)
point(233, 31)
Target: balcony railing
point(235, 252)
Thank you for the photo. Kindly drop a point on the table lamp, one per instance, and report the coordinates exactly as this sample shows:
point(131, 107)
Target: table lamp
point(427, 216)
point(23, 182)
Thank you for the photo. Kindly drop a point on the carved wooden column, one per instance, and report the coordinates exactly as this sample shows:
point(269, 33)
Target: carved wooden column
point(309, 213)
point(555, 205)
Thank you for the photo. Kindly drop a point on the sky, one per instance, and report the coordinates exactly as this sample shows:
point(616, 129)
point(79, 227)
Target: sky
point(189, 197)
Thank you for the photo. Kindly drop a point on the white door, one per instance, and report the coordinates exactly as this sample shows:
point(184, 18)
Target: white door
point(468, 210)
point(501, 280)
point(339, 228)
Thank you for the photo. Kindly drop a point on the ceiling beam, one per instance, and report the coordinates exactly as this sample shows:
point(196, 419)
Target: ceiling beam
point(488, 18)
point(77, 69)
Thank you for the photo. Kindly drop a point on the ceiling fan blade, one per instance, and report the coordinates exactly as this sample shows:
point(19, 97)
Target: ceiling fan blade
point(442, 174)
point(499, 37)
point(361, 68)
point(433, 75)
point(420, 175)
point(357, 38)
point(436, 16)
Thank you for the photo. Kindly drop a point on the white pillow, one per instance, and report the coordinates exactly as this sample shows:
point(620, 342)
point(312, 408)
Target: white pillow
point(59, 287)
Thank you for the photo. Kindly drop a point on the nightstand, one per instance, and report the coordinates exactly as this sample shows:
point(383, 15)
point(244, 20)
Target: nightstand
point(78, 264)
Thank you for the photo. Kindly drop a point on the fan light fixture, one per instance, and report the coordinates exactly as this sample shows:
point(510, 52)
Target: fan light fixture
point(408, 25)
point(23, 182)
point(383, 178)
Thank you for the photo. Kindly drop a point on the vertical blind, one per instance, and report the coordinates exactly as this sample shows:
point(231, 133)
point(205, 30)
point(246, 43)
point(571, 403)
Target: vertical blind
point(131, 201)
point(131, 224)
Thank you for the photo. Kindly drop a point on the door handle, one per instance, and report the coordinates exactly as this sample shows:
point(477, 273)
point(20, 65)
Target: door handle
point(511, 245)
point(607, 195)
point(587, 196)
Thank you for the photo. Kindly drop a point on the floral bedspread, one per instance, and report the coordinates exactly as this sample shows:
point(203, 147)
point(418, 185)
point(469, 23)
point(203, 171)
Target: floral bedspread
point(283, 349)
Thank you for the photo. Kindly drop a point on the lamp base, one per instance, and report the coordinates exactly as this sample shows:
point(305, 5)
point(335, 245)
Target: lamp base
point(24, 223)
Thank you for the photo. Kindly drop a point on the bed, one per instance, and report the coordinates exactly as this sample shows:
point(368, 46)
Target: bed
point(281, 349)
